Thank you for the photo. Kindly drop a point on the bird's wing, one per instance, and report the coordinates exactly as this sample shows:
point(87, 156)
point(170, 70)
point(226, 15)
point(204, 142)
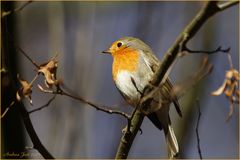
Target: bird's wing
point(169, 85)
point(152, 61)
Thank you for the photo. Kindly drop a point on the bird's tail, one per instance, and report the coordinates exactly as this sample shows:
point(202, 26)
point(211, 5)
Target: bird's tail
point(172, 143)
point(162, 120)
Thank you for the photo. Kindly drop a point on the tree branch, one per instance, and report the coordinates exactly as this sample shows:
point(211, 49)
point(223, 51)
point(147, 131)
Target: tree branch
point(193, 27)
point(27, 56)
point(226, 5)
point(6, 13)
point(198, 138)
point(94, 105)
point(7, 54)
point(37, 143)
point(219, 49)
point(128, 137)
point(60, 91)
point(97, 107)
point(7, 109)
point(45, 105)
point(32, 133)
point(210, 9)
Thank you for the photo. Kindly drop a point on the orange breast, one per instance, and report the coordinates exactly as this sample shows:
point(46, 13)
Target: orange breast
point(125, 60)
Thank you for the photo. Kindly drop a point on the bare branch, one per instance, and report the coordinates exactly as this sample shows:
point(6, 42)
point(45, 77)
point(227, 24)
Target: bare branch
point(4, 14)
point(197, 133)
point(219, 49)
point(27, 56)
point(78, 98)
point(32, 133)
point(19, 106)
point(7, 109)
point(44, 106)
point(96, 106)
point(128, 137)
point(135, 85)
point(210, 9)
point(226, 5)
point(34, 79)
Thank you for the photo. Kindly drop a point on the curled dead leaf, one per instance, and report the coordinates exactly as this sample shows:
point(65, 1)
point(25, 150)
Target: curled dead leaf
point(220, 90)
point(25, 91)
point(230, 88)
point(49, 71)
point(233, 74)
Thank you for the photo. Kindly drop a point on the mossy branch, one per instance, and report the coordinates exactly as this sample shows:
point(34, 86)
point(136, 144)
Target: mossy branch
point(210, 9)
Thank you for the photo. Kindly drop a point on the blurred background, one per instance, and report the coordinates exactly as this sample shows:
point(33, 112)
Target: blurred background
point(78, 32)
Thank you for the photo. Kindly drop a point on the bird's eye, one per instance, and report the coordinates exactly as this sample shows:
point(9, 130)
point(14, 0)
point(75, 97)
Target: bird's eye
point(119, 44)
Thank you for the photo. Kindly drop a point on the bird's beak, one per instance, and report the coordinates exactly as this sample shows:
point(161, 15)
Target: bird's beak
point(106, 52)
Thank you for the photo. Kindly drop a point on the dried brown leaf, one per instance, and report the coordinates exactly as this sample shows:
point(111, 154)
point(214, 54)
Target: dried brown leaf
point(25, 91)
point(230, 88)
point(229, 74)
point(49, 71)
point(233, 74)
point(236, 75)
point(220, 90)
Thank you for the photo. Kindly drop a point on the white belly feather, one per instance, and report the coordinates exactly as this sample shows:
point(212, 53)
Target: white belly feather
point(126, 86)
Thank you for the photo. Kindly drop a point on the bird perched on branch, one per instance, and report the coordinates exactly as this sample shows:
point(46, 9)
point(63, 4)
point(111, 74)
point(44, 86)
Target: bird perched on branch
point(133, 67)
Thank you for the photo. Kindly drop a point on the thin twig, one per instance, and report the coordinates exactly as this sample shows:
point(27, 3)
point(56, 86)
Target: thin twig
point(27, 56)
point(135, 85)
point(44, 106)
point(197, 133)
point(131, 117)
point(4, 14)
point(219, 49)
point(34, 79)
point(7, 109)
point(226, 5)
point(137, 106)
point(94, 105)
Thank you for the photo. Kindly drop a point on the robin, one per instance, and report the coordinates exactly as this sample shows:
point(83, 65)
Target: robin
point(133, 66)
